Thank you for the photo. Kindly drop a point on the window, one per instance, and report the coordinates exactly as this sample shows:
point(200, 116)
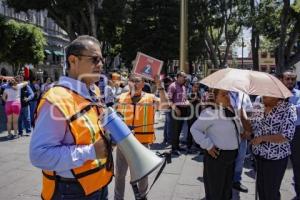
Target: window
point(264, 54)
point(273, 68)
point(263, 68)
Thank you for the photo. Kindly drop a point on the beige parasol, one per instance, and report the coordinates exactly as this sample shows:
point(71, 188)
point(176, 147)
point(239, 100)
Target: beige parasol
point(246, 81)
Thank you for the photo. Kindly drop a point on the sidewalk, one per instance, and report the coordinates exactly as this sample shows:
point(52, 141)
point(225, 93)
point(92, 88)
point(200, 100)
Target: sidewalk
point(182, 179)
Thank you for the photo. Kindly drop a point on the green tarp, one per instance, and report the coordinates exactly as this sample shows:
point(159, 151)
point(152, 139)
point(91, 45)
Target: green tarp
point(58, 53)
point(47, 51)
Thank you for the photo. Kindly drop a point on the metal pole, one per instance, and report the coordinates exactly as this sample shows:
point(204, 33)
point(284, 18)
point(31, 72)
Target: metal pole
point(242, 52)
point(184, 36)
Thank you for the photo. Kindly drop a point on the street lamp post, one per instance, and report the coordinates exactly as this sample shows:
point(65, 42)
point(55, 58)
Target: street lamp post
point(184, 36)
point(242, 52)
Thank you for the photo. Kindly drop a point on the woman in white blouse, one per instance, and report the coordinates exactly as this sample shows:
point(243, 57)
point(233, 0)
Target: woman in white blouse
point(273, 128)
point(218, 131)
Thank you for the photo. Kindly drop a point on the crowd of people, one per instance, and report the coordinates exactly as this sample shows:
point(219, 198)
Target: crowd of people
point(19, 98)
point(71, 148)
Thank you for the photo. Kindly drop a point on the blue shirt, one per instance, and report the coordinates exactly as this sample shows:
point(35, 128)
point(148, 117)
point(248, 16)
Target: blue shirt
point(5, 85)
point(295, 100)
point(239, 99)
point(52, 145)
point(30, 93)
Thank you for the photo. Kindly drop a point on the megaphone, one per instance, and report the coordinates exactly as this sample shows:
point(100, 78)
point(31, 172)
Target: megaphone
point(141, 161)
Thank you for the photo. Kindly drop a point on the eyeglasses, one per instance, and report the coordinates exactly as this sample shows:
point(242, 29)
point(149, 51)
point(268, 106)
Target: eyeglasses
point(135, 80)
point(95, 59)
point(290, 79)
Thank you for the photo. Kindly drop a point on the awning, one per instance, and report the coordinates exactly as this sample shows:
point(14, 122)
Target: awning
point(58, 53)
point(47, 51)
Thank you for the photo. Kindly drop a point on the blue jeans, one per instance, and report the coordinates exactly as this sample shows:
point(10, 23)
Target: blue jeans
point(32, 109)
point(68, 191)
point(24, 119)
point(239, 161)
point(167, 128)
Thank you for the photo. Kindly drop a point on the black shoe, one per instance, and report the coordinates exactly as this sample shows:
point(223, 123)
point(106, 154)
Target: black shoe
point(240, 187)
point(10, 136)
point(175, 152)
point(190, 151)
point(181, 149)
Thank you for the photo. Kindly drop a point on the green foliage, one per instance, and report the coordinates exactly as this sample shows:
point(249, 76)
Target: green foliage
point(267, 45)
point(152, 28)
point(296, 6)
point(21, 43)
point(268, 19)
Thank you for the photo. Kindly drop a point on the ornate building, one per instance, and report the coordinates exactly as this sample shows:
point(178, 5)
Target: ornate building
point(56, 38)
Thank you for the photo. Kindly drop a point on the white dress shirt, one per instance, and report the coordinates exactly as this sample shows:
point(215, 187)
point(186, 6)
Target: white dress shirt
point(212, 128)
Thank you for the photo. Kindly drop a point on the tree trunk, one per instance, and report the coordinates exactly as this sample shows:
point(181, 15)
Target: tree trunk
point(225, 59)
point(293, 37)
point(212, 54)
point(69, 28)
point(91, 8)
point(283, 29)
point(254, 39)
point(293, 60)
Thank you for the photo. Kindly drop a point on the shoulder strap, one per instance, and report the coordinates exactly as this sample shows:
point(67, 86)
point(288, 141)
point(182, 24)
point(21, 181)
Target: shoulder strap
point(236, 133)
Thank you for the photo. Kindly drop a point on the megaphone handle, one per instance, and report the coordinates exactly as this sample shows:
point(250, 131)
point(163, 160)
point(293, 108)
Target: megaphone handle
point(135, 188)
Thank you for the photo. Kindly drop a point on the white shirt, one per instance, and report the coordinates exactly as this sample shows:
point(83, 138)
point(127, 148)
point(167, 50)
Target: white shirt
point(109, 94)
point(14, 94)
point(212, 128)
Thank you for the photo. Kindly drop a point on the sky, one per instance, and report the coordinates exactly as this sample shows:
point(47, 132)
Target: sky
point(247, 36)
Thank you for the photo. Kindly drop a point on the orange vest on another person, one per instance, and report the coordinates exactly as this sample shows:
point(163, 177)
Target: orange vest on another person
point(140, 116)
point(82, 117)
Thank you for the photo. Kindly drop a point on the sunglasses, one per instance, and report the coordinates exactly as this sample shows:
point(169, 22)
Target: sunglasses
point(135, 80)
point(290, 79)
point(95, 59)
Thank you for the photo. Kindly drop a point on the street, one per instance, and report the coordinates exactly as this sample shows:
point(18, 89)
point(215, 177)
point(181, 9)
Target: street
point(182, 179)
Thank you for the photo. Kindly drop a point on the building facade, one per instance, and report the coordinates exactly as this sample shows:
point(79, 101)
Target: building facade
point(55, 36)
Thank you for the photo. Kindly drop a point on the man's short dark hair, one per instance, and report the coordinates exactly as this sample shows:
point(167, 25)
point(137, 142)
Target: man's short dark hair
point(180, 73)
point(135, 76)
point(78, 45)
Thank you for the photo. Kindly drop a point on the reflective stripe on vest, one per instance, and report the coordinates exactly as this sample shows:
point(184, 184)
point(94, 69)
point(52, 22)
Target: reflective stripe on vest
point(140, 116)
point(82, 117)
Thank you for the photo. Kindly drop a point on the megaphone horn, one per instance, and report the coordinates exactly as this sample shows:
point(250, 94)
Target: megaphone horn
point(141, 161)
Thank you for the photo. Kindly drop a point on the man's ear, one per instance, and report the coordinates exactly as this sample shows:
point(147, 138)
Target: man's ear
point(72, 60)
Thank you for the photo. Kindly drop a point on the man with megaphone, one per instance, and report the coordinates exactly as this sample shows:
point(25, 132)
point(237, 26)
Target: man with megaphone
point(68, 143)
point(138, 109)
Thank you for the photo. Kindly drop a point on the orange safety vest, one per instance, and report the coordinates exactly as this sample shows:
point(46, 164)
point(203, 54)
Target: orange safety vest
point(140, 116)
point(82, 117)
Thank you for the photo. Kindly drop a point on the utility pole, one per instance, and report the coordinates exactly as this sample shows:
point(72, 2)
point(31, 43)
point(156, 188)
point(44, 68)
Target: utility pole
point(242, 52)
point(184, 66)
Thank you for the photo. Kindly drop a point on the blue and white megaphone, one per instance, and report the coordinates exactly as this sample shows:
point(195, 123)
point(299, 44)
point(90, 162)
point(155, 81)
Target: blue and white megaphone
point(141, 161)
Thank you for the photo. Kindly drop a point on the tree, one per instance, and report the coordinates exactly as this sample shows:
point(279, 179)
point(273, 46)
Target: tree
point(152, 27)
point(23, 44)
point(101, 19)
point(279, 22)
point(219, 24)
point(75, 16)
point(255, 41)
